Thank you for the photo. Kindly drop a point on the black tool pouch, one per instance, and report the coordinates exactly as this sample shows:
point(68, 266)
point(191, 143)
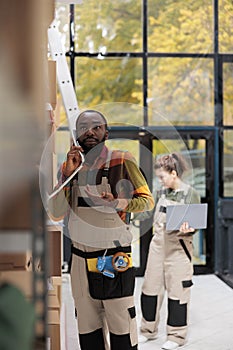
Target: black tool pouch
point(103, 287)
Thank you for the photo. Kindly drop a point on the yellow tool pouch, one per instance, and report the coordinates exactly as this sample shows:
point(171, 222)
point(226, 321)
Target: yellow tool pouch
point(92, 263)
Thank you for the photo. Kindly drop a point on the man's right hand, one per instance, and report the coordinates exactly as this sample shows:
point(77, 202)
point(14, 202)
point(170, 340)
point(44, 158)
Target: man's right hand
point(73, 160)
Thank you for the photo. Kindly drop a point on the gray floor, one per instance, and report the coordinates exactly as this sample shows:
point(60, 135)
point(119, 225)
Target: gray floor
point(211, 316)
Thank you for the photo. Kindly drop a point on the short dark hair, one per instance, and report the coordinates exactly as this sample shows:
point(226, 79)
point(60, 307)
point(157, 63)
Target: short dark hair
point(93, 111)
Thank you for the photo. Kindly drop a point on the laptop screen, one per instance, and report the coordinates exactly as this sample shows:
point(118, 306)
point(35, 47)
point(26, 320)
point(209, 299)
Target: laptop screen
point(194, 214)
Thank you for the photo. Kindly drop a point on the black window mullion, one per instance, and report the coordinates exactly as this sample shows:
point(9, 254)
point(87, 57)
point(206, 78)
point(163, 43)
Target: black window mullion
point(72, 43)
point(144, 63)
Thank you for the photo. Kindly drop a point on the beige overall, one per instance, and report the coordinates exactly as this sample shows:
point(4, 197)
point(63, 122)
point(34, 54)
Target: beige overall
point(105, 322)
point(169, 268)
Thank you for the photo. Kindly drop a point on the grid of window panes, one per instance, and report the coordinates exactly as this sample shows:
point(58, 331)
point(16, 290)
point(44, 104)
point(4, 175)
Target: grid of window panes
point(110, 42)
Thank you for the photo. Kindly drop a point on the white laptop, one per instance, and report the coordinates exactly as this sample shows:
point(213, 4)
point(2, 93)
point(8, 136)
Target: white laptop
point(194, 214)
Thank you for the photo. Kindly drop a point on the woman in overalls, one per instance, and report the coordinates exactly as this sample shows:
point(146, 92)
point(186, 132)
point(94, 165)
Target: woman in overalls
point(169, 266)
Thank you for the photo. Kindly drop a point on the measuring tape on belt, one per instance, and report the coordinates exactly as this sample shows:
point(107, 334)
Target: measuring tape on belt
point(110, 264)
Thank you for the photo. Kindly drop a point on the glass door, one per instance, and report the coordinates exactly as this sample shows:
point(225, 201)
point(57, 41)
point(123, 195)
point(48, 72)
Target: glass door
point(197, 146)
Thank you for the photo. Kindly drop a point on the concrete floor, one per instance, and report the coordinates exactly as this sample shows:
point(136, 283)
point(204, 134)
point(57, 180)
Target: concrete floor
point(211, 316)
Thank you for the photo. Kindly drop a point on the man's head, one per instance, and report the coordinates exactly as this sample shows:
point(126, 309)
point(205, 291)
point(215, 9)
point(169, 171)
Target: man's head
point(91, 129)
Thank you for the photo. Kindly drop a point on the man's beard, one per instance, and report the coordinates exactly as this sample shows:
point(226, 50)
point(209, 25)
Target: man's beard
point(96, 148)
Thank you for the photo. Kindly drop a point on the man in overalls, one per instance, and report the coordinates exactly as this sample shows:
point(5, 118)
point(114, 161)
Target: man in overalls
point(101, 197)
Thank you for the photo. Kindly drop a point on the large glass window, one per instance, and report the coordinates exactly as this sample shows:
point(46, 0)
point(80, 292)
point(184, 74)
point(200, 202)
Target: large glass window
point(105, 26)
point(180, 26)
point(62, 15)
point(181, 89)
point(107, 80)
point(225, 26)
point(228, 93)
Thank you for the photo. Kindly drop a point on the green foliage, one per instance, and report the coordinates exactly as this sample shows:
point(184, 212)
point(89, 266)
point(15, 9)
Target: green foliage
point(180, 89)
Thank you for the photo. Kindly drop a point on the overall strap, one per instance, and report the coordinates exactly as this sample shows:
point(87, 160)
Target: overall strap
point(107, 164)
point(95, 254)
point(184, 195)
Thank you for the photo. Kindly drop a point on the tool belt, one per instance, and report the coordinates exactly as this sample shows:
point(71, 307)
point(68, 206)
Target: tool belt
point(110, 272)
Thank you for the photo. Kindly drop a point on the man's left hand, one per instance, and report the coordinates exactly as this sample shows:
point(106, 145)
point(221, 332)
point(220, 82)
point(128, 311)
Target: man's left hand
point(105, 199)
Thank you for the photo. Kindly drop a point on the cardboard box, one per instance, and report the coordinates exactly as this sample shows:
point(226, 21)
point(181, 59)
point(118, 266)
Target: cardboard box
point(54, 330)
point(55, 239)
point(17, 212)
point(54, 287)
point(21, 279)
point(53, 302)
point(16, 261)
